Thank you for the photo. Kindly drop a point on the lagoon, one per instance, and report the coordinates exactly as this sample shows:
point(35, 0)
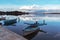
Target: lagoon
point(52, 28)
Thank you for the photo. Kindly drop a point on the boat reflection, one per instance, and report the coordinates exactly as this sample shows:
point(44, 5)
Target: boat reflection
point(32, 35)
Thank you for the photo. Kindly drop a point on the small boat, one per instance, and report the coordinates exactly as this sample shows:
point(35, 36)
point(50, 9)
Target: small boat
point(33, 28)
point(31, 35)
point(30, 31)
point(10, 22)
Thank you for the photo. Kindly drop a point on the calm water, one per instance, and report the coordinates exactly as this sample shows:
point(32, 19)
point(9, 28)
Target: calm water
point(52, 28)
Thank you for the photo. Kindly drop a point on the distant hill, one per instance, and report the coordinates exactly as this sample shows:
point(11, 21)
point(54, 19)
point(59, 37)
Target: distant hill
point(12, 13)
point(30, 12)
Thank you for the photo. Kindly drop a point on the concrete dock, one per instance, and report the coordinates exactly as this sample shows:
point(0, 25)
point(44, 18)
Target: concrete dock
point(6, 34)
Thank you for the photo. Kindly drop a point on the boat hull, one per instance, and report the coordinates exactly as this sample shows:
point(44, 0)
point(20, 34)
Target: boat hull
point(10, 22)
point(28, 32)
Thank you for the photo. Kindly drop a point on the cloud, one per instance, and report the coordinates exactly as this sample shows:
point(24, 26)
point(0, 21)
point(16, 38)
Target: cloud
point(41, 7)
point(29, 7)
point(9, 7)
point(32, 8)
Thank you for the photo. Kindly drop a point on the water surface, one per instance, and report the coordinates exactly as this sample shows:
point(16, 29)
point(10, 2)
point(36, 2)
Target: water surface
point(52, 28)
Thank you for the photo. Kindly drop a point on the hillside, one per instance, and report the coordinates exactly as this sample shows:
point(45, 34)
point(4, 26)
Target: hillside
point(12, 13)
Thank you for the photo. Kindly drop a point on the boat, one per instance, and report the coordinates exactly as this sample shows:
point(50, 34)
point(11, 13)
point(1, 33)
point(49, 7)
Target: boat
point(31, 35)
point(10, 22)
point(29, 31)
point(33, 28)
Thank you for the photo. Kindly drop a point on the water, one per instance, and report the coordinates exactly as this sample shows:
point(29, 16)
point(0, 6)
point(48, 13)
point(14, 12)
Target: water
point(52, 28)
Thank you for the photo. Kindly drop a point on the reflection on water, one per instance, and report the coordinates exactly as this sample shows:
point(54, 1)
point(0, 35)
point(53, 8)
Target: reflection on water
point(32, 35)
point(52, 28)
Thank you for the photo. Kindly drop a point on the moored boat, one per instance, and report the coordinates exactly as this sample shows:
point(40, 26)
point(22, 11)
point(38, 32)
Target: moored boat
point(30, 31)
point(10, 22)
point(33, 28)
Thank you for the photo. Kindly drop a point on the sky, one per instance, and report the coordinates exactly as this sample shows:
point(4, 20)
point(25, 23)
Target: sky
point(27, 4)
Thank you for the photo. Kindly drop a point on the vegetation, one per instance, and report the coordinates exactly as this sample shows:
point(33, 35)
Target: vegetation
point(12, 13)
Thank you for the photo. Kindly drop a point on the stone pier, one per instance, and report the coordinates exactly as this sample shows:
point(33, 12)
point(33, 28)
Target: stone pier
point(6, 34)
